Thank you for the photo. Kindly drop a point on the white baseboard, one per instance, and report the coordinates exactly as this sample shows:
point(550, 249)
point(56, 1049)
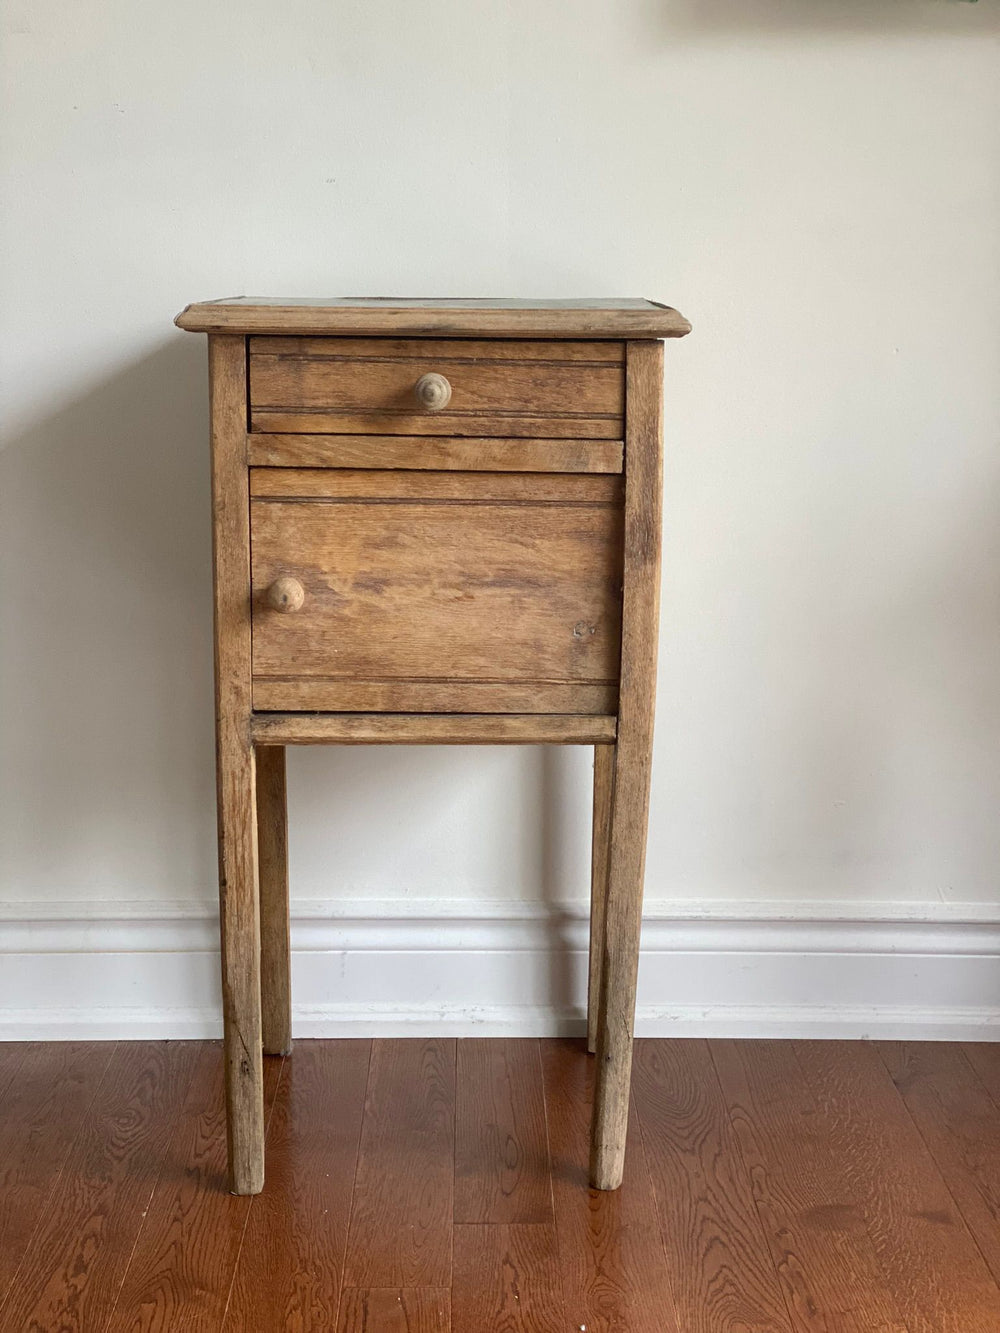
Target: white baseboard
point(112, 970)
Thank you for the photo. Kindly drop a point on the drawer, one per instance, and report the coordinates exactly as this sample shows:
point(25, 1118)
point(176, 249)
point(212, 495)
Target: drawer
point(497, 388)
point(427, 592)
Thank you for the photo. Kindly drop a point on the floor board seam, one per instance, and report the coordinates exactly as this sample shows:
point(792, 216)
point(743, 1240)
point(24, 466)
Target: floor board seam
point(253, 1199)
point(937, 1165)
point(748, 1175)
point(354, 1183)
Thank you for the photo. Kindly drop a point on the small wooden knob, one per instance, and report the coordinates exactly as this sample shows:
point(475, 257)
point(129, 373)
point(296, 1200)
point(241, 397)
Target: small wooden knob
point(286, 594)
point(433, 392)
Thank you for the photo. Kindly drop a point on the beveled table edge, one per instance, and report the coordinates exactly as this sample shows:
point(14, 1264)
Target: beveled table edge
point(235, 315)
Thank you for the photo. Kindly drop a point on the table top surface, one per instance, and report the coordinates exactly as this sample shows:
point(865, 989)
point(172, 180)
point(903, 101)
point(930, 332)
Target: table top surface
point(502, 317)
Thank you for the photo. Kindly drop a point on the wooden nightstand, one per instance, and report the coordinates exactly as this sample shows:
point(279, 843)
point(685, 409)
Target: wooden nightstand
point(434, 522)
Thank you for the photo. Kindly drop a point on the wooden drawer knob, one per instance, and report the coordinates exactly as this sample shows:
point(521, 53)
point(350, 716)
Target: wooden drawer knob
point(433, 392)
point(286, 594)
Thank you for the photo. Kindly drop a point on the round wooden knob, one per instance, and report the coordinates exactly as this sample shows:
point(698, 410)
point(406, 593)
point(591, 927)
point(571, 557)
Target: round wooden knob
point(433, 392)
point(286, 594)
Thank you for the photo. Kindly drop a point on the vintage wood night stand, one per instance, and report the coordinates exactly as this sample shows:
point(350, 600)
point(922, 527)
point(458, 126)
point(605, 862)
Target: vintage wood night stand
point(434, 522)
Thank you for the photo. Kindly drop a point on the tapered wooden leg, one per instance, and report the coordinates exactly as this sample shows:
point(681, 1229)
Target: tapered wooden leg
point(604, 758)
point(238, 901)
point(620, 966)
point(272, 855)
point(632, 761)
point(237, 804)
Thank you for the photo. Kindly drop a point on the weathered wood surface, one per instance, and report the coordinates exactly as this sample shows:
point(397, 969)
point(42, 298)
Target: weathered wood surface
point(381, 385)
point(633, 758)
point(236, 781)
point(604, 774)
point(431, 729)
point(334, 485)
point(437, 580)
point(434, 453)
point(311, 694)
point(628, 317)
point(275, 945)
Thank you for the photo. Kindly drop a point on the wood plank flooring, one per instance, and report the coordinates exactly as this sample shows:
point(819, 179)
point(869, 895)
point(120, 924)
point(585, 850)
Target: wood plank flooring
point(435, 1186)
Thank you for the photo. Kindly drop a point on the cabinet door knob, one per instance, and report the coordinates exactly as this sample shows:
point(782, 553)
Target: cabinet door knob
point(286, 594)
point(433, 392)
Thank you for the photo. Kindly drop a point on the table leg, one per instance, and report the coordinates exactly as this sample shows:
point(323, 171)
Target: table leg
point(604, 758)
point(272, 856)
point(240, 920)
point(632, 760)
point(619, 973)
point(239, 906)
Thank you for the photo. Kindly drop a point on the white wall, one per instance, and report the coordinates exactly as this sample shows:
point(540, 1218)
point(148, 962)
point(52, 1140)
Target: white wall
point(815, 183)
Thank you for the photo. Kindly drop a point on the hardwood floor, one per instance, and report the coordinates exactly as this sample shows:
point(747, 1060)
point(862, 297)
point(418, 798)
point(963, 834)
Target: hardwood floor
point(429, 1185)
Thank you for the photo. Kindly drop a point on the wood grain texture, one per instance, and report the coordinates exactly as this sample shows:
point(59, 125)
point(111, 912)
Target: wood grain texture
point(471, 352)
point(852, 1322)
point(283, 484)
point(496, 318)
point(932, 1266)
point(604, 773)
point(401, 1223)
point(73, 1267)
point(818, 1135)
point(272, 860)
point(431, 729)
point(633, 758)
point(984, 1057)
point(957, 1119)
point(815, 1228)
point(501, 1149)
point(235, 773)
point(183, 1259)
point(395, 1310)
point(323, 421)
point(507, 1279)
point(429, 452)
point(284, 694)
point(611, 1259)
point(463, 375)
point(495, 388)
point(292, 1260)
point(717, 1259)
point(41, 1113)
point(438, 592)
point(12, 1055)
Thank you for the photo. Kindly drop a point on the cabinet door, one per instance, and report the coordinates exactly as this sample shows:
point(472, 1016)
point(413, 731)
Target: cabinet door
point(435, 592)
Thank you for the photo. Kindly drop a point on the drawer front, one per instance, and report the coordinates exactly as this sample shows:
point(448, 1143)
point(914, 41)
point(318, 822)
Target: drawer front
point(359, 386)
point(435, 592)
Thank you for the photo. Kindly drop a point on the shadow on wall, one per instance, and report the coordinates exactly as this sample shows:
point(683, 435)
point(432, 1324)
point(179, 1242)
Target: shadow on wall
point(106, 639)
point(668, 18)
point(106, 750)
